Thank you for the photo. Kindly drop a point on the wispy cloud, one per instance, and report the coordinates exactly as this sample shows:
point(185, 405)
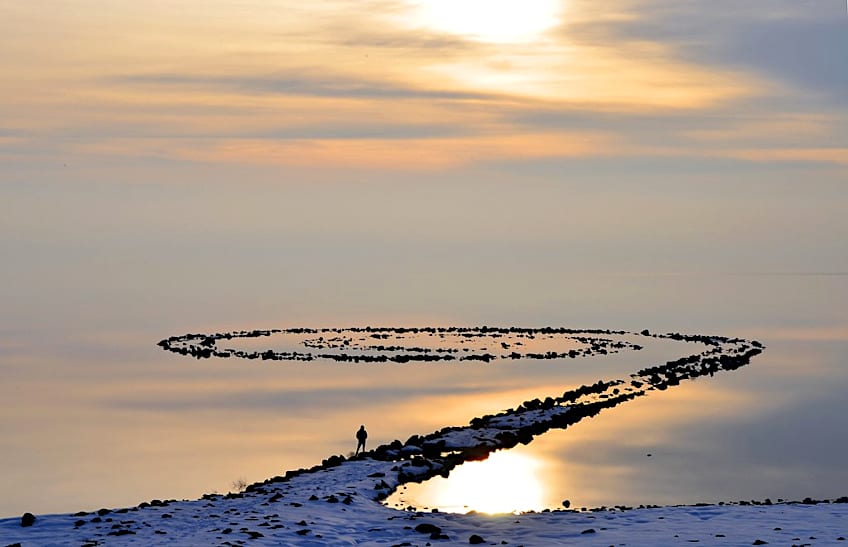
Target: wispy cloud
point(311, 83)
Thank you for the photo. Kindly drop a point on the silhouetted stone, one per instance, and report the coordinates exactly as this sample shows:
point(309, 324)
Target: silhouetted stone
point(28, 519)
point(476, 540)
point(427, 528)
point(122, 532)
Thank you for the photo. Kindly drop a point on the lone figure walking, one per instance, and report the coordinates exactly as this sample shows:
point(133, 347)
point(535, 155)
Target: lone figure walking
point(361, 435)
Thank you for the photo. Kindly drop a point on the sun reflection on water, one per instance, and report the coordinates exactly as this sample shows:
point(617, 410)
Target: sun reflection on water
point(504, 483)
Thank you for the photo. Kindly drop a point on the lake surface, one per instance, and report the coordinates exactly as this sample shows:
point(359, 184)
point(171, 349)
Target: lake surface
point(106, 418)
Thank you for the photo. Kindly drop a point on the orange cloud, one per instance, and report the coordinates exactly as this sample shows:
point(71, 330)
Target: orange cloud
point(418, 154)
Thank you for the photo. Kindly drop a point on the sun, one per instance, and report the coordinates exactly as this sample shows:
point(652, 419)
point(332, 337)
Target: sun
point(489, 20)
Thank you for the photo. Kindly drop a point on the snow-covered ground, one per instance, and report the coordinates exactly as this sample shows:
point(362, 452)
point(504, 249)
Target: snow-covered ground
point(335, 507)
point(339, 501)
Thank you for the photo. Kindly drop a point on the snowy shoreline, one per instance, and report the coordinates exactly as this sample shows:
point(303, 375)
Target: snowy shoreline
point(338, 502)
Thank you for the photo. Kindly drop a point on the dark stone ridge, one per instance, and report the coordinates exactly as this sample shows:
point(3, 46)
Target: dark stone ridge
point(422, 457)
point(28, 519)
point(427, 528)
point(476, 540)
point(204, 346)
point(121, 532)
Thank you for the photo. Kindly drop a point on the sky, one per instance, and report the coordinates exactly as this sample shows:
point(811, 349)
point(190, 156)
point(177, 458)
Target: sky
point(662, 119)
point(422, 87)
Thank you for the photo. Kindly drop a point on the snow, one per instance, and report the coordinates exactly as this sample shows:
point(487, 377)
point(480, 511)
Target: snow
point(364, 521)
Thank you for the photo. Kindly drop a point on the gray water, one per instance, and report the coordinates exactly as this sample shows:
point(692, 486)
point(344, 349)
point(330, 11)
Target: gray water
point(96, 415)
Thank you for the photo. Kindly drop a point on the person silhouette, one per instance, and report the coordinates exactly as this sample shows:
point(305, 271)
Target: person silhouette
point(361, 435)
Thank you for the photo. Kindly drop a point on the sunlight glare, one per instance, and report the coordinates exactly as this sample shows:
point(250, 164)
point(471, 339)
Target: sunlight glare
point(504, 483)
point(490, 20)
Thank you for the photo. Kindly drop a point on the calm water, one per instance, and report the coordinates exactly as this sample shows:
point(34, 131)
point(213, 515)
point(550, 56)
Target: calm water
point(97, 415)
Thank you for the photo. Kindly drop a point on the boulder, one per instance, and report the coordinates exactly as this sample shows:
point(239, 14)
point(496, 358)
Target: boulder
point(427, 528)
point(28, 519)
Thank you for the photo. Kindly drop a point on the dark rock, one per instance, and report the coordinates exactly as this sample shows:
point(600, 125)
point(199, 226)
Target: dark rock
point(588, 531)
point(303, 532)
point(79, 523)
point(476, 540)
point(255, 535)
point(102, 512)
point(28, 519)
point(760, 542)
point(122, 532)
point(427, 528)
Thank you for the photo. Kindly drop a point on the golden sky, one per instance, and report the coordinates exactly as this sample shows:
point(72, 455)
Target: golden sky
point(395, 84)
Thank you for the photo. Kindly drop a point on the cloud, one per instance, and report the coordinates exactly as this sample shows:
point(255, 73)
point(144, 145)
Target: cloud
point(298, 82)
point(800, 44)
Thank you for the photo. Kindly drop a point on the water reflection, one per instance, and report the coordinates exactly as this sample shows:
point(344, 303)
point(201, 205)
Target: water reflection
point(508, 481)
point(770, 430)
